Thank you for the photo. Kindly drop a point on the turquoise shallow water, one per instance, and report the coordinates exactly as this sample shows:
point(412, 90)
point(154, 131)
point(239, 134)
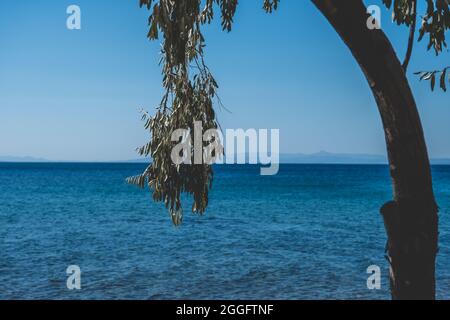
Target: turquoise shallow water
point(308, 233)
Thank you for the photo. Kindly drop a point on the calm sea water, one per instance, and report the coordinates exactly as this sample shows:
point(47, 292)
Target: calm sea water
point(308, 233)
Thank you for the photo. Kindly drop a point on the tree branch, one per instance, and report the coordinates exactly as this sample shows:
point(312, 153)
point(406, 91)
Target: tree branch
point(412, 31)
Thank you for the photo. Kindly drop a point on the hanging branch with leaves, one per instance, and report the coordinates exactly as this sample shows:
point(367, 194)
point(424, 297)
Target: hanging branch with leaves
point(435, 22)
point(190, 91)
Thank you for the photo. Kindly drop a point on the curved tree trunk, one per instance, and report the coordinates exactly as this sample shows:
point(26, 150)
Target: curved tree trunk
point(411, 219)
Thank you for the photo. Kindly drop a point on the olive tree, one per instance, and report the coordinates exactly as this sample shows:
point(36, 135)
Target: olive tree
point(411, 218)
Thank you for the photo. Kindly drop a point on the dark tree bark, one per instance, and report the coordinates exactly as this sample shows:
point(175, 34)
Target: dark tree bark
point(411, 218)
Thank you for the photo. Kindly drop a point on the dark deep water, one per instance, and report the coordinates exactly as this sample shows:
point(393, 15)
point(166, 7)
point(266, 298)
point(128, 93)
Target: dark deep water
point(308, 233)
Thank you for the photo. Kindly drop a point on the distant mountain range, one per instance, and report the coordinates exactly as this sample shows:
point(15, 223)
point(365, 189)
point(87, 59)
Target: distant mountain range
point(333, 158)
point(300, 158)
point(21, 159)
point(324, 157)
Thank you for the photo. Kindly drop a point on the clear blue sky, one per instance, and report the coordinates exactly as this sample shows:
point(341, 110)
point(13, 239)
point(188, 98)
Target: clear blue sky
point(74, 95)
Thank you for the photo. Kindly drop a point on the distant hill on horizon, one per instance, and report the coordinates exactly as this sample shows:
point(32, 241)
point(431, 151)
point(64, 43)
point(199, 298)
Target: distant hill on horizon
point(321, 157)
point(22, 159)
point(324, 157)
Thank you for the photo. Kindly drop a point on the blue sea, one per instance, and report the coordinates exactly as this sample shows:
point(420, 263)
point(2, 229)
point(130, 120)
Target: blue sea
point(309, 232)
